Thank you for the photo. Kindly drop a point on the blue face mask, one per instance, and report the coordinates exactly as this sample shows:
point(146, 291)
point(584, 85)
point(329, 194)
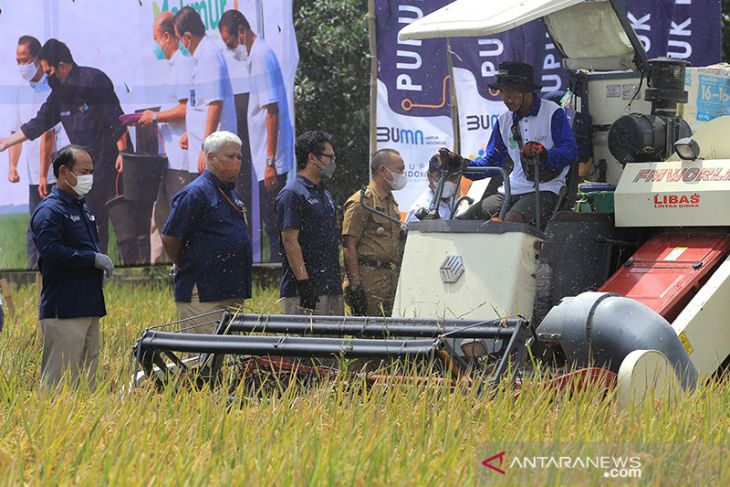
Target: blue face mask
point(159, 53)
point(183, 49)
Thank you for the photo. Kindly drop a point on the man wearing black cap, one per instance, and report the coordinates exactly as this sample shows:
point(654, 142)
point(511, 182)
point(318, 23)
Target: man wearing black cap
point(448, 195)
point(532, 130)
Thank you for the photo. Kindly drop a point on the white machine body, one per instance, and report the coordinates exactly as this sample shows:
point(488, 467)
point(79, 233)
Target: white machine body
point(448, 272)
point(674, 194)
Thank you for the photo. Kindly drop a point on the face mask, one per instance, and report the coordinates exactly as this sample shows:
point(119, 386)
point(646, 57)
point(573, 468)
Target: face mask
point(53, 81)
point(83, 184)
point(399, 180)
point(449, 190)
point(159, 52)
point(27, 71)
point(240, 53)
point(329, 170)
point(183, 49)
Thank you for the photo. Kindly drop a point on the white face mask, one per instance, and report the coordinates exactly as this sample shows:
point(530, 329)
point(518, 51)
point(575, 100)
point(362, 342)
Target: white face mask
point(83, 184)
point(449, 189)
point(399, 180)
point(240, 53)
point(27, 71)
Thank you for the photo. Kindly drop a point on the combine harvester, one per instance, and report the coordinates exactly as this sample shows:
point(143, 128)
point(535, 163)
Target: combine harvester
point(641, 292)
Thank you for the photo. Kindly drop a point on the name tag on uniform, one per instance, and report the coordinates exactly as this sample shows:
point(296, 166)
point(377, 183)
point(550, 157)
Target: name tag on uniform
point(75, 218)
point(66, 113)
point(313, 201)
point(192, 97)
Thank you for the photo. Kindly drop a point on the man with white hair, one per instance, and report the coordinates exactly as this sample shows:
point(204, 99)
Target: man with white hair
point(206, 236)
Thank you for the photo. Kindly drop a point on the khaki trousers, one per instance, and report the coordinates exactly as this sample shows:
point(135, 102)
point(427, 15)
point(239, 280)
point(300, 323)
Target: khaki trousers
point(330, 305)
point(204, 316)
point(70, 348)
point(380, 286)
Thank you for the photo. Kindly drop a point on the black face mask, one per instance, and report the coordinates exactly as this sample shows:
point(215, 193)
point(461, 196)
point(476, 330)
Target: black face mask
point(53, 81)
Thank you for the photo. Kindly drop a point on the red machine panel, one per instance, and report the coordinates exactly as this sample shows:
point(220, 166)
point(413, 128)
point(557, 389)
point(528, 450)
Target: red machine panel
point(668, 270)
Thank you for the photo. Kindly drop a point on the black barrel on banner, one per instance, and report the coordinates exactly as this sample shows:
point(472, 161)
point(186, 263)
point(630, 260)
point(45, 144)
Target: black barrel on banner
point(141, 176)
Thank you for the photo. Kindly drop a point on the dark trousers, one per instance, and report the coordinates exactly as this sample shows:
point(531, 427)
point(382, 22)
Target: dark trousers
point(267, 204)
point(102, 191)
point(523, 204)
point(33, 200)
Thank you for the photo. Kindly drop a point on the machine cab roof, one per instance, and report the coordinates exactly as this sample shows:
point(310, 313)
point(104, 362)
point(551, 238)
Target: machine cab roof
point(613, 45)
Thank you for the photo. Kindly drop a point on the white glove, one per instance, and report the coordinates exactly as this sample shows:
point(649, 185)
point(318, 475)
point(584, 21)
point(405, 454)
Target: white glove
point(104, 263)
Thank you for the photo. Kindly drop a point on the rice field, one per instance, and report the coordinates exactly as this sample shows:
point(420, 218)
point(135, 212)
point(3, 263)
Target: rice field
point(337, 433)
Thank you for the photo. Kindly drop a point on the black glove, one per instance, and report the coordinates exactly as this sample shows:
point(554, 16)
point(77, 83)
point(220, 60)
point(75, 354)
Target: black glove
point(356, 299)
point(307, 297)
point(535, 151)
point(451, 161)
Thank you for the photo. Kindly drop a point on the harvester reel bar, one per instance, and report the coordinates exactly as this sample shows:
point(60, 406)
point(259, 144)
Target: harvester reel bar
point(368, 327)
point(155, 341)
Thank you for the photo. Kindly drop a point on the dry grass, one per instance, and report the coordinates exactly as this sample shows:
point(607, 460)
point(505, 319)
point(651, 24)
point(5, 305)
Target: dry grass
point(337, 433)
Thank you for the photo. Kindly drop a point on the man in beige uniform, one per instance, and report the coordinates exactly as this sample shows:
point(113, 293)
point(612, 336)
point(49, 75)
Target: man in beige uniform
point(372, 241)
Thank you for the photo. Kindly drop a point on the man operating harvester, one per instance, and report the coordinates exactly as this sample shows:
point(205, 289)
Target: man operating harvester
point(206, 236)
point(532, 128)
point(372, 241)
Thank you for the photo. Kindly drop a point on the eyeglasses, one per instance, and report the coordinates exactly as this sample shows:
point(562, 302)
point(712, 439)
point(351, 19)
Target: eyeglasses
point(331, 156)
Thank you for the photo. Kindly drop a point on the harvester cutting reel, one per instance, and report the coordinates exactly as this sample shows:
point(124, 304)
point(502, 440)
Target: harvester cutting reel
point(280, 342)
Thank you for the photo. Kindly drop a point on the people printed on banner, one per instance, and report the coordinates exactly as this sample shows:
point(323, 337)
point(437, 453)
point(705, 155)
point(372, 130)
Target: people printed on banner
point(83, 100)
point(194, 98)
point(170, 124)
point(270, 132)
point(35, 155)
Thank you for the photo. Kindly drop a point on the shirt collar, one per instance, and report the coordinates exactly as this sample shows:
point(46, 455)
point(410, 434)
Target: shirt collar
point(534, 110)
point(65, 197)
point(217, 182)
point(202, 45)
point(380, 194)
point(308, 183)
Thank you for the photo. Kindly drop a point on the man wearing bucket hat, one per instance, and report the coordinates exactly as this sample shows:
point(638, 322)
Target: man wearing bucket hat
point(533, 129)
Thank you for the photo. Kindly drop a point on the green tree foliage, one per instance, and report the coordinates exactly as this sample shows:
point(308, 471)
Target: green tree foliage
point(332, 86)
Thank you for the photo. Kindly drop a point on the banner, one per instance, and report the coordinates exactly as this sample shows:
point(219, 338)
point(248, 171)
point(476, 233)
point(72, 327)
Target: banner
point(413, 95)
point(665, 28)
point(117, 38)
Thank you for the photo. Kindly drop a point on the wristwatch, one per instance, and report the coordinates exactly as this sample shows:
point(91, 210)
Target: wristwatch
point(270, 161)
point(154, 117)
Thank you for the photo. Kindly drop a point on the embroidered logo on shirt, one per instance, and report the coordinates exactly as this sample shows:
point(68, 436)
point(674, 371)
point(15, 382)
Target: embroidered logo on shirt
point(66, 113)
point(75, 218)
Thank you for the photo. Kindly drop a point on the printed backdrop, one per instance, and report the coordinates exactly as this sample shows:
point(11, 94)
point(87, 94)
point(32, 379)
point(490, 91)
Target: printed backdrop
point(413, 110)
point(116, 37)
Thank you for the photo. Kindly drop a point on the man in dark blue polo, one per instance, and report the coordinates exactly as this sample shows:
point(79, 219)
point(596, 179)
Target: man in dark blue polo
point(206, 237)
point(310, 270)
point(71, 263)
point(83, 100)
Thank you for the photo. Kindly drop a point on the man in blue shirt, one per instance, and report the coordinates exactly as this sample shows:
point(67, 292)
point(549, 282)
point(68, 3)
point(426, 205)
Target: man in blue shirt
point(206, 237)
point(531, 129)
point(310, 269)
point(71, 263)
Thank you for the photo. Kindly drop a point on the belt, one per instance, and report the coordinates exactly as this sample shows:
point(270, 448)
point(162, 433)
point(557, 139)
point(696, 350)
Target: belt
point(380, 264)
